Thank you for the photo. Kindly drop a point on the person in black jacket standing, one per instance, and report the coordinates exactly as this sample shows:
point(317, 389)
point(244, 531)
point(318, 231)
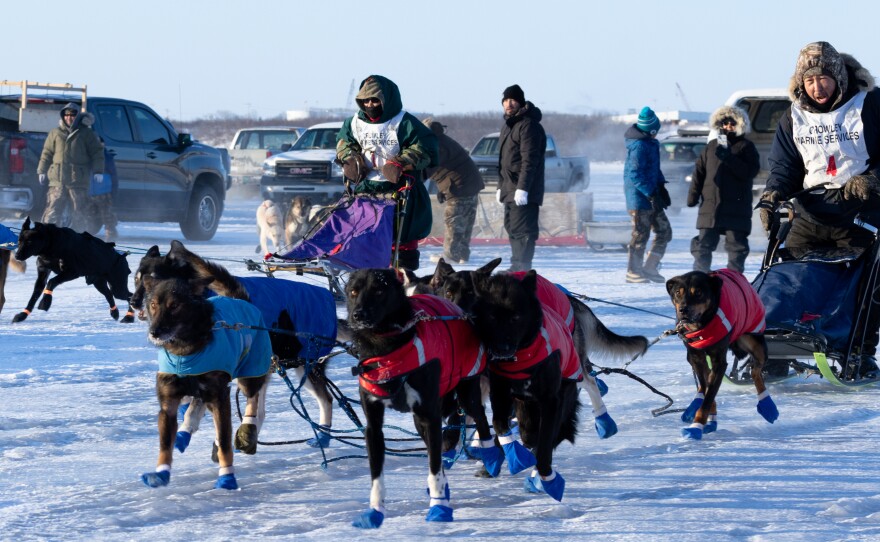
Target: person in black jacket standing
point(722, 186)
point(521, 166)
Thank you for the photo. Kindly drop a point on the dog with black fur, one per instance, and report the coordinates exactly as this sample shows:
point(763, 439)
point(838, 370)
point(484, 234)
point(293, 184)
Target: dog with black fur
point(416, 354)
point(304, 316)
point(71, 255)
point(591, 337)
point(718, 311)
point(534, 371)
point(199, 356)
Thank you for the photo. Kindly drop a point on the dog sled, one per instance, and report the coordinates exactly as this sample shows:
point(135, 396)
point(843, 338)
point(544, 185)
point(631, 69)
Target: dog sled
point(355, 233)
point(818, 306)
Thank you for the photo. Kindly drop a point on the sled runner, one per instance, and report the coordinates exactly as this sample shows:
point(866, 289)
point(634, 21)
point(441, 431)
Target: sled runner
point(818, 305)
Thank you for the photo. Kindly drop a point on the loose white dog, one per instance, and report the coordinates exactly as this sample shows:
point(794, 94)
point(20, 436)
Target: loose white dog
point(270, 222)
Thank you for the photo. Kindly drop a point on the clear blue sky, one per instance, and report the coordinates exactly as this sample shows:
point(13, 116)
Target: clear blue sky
point(190, 59)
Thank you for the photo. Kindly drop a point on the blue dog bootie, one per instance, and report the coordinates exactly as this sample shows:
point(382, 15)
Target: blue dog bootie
point(439, 505)
point(553, 485)
point(322, 440)
point(767, 408)
point(694, 431)
point(606, 427)
point(181, 441)
point(371, 519)
point(691, 410)
point(711, 424)
point(519, 458)
point(159, 478)
point(226, 480)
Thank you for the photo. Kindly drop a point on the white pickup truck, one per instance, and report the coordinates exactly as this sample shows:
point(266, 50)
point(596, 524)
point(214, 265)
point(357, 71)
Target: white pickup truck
point(251, 146)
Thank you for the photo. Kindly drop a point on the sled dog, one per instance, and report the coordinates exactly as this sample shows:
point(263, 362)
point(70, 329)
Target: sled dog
point(416, 354)
point(199, 357)
point(270, 223)
point(718, 311)
point(71, 255)
point(298, 219)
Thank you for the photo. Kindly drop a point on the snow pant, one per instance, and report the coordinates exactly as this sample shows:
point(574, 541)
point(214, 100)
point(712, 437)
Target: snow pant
point(102, 210)
point(805, 236)
point(521, 224)
point(459, 217)
point(644, 221)
point(735, 242)
point(60, 198)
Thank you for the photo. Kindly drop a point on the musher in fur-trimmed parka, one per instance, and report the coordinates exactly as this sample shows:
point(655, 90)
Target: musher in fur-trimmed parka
point(723, 176)
point(828, 140)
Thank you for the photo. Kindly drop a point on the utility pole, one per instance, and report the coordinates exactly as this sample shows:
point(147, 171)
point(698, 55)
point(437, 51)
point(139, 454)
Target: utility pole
point(687, 106)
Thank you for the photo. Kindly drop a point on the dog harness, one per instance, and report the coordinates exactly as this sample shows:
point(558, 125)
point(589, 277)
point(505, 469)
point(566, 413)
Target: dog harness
point(238, 352)
point(740, 311)
point(554, 335)
point(452, 342)
point(552, 296)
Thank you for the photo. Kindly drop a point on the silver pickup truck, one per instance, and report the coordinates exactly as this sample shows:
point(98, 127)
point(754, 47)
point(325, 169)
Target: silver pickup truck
point(561, 173)
point(251, 146)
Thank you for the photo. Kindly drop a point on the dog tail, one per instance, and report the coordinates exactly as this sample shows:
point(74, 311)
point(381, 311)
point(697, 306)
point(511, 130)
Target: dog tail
point(601, 342)
point(17, 266)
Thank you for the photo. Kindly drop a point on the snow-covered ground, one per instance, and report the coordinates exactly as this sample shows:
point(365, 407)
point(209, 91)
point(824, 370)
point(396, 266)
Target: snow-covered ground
point(79, 411)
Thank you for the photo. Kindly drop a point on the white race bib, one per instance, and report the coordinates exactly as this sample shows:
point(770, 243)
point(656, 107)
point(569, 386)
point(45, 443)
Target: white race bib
point(378, 143)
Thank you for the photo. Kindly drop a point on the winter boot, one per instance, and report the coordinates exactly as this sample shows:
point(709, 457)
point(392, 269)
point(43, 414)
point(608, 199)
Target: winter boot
point(649, 271)
point(634, 273)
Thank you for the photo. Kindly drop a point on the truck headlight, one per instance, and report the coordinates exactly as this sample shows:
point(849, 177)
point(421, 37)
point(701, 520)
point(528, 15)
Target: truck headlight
point(335, 170)
point(268, 169)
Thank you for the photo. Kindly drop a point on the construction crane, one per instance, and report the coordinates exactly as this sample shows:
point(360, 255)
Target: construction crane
point(687, 106)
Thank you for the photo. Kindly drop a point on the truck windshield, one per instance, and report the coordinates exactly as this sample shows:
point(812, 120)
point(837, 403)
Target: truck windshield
point(323, 138)
point(488, 146)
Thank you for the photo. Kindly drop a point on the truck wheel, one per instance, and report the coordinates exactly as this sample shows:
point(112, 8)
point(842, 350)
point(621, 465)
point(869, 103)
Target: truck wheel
point(204, 213)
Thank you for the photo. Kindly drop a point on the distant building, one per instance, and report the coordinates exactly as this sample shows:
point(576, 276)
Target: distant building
point(318, 112)
point(669, 117)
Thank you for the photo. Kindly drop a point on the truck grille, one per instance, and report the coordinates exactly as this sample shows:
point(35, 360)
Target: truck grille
point(318, 171)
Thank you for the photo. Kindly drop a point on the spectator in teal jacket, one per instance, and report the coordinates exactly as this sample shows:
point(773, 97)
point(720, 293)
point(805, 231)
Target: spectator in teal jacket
point(643, 185)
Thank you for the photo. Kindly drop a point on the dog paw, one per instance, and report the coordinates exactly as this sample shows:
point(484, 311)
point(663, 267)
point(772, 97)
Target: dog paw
point(226, 481)
point(693, 432)
point(710, 427)
point(371, 519)
point(691, 410)
point(45, 302)
point(19, 317)
point(114, 313)
point(246, 438)
point(156, 479)
point(439, 512)
point(605, 426)
point(767, 409)
point(128, 318)
point(322, 440)
point(181, 441)
point(554, 487)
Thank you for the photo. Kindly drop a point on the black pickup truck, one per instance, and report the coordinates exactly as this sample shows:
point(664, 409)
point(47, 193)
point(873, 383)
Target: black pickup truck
point(163, 176)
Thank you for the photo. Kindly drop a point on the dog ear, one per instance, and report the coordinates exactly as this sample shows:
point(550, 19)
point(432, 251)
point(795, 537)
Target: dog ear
point(489, 267)
point(153, 252)
point(27, 224)
point(441, 273)
point(530, 281)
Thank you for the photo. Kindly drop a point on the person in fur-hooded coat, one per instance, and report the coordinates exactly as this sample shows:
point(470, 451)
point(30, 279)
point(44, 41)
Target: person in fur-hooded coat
point(829, 139)
point(722, 186)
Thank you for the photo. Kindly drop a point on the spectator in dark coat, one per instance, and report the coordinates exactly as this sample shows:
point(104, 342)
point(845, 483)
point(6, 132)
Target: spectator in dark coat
point(830, 137)
point(722, 186)
point(459, 183)
point(521, 166)
point(643, 186)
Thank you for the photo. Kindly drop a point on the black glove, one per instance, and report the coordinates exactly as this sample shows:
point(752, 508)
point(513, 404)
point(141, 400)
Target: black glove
point(392, 171)
point(354, 168)
point(767, 207)
point(861, 187)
